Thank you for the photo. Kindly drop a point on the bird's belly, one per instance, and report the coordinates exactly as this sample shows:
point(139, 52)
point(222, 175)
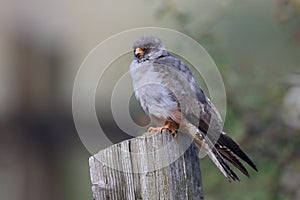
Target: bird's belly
point(156, 101)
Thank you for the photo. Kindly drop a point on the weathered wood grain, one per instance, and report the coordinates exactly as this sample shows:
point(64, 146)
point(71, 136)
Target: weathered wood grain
point(152, 167)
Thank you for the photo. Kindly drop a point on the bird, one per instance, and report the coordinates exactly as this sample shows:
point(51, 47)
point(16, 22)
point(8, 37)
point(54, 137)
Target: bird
point(167, 91)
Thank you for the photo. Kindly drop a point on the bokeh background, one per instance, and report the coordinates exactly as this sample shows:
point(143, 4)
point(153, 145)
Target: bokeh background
point(255, 44)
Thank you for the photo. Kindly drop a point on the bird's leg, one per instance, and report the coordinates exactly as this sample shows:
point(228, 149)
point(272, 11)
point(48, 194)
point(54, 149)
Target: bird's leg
point(169, 125)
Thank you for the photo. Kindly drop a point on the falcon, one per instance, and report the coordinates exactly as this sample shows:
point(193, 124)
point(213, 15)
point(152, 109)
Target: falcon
point(170, 95)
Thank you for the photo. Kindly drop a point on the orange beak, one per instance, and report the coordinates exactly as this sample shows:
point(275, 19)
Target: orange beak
point(138, 52)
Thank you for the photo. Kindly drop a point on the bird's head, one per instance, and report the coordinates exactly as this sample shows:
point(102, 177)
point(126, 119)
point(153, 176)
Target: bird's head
point(147, 48)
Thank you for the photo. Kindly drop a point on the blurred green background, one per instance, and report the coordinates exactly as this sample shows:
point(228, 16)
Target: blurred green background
point(255, 44)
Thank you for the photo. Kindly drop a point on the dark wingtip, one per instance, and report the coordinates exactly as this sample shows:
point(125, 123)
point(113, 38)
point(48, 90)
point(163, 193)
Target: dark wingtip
point(225, 140)
point(254, 167)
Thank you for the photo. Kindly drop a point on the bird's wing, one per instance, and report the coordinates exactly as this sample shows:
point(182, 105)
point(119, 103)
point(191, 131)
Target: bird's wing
point(194, 105)
point(198, 110)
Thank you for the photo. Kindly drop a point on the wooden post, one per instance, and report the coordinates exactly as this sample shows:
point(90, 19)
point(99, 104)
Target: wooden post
point(148, 167)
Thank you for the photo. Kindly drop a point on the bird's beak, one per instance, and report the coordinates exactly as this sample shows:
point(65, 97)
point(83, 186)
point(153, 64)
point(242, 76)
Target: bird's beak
point(138, 52)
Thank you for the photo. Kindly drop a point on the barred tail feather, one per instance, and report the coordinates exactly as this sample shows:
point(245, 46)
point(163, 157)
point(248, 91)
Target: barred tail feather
point(216, 157)
point(224, 149)
point(228, 155)
point(222, 165)
point(232, 149)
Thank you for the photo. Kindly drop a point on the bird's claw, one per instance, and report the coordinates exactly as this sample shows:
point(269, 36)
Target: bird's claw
point(151, 129)
point(171, 130)
point(161, 129)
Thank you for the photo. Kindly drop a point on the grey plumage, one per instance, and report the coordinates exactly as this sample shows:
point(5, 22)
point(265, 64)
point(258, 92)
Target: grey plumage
point(167, 90)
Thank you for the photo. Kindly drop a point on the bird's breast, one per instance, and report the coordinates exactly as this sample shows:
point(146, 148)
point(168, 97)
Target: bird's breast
point(144, 74)
point(151, 91)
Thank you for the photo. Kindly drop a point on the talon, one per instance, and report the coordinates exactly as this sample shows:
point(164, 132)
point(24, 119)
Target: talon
point(169, 125)
point(172, 127)
point(150, 129)
point(171, 130)
point(161, 129)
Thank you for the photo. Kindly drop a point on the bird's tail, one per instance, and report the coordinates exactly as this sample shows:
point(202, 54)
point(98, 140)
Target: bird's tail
point(225, 148)
point(231, 150)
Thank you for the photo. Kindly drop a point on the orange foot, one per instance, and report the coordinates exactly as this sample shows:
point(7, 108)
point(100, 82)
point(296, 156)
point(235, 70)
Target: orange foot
point(165, 127)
